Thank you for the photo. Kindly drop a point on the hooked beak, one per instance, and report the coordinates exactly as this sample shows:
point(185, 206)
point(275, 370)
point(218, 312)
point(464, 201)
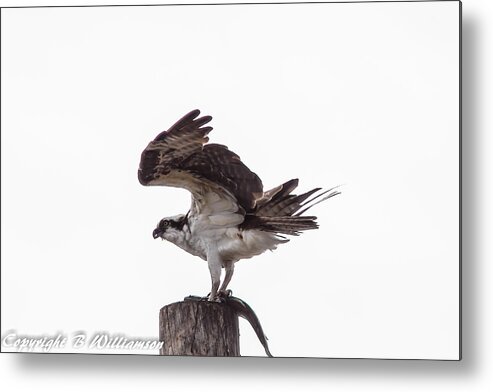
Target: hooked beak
point(156, 233)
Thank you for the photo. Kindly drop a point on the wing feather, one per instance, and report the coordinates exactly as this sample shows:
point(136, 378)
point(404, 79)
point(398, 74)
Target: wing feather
point(180, 157)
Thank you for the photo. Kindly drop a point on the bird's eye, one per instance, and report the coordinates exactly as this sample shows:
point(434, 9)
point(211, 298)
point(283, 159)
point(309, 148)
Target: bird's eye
point(165, 223)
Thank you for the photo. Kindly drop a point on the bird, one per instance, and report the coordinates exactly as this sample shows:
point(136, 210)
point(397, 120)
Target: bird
point(231, 217)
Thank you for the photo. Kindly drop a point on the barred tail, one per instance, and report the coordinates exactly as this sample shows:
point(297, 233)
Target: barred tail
point(291, 225)
point(279, 211)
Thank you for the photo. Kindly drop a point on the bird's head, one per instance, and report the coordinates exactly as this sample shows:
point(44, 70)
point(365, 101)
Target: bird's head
point(169, 228)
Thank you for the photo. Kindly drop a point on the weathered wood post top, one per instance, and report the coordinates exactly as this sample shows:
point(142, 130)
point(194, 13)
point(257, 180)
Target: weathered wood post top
point(199, 328)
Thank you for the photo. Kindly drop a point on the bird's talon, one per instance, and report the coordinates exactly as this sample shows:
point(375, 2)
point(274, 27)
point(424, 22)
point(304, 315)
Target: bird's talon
point(224, 294)
point(216, 298)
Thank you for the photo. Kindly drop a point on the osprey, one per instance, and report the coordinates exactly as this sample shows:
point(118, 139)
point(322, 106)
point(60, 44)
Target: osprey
point(231, 217)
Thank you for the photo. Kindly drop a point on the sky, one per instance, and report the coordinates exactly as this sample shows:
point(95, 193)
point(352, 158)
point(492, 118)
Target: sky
point(364, 96)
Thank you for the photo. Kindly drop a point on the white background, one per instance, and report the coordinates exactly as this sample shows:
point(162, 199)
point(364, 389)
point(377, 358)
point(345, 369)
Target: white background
point(364, 95)
point(471, 373)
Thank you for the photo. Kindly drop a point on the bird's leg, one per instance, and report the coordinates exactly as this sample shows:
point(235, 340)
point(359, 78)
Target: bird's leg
point(213, 297)
point(223, 292)
point(214, 261)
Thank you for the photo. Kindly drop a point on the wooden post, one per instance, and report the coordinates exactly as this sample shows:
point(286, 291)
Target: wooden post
point(199, 328)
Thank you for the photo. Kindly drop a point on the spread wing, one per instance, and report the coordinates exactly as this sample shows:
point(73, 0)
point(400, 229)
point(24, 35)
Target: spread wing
point(180, 157)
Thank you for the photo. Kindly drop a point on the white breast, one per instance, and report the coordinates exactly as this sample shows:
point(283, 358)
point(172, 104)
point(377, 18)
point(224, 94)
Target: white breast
point(214, 221)
point(232, 244)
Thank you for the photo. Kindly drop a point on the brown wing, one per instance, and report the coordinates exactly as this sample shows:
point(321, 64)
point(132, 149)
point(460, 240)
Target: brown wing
point(180, 157)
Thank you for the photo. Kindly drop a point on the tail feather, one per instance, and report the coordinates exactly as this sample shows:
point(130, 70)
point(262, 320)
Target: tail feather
point(279, 211)
point(331, 194)
point(292, 225)
point(285, 206)
point(273, 196)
